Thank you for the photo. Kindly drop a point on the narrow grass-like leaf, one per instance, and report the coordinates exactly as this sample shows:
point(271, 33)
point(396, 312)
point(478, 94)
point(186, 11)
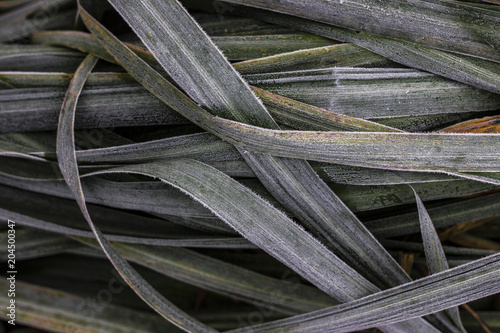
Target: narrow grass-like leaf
point(399, 92)
point(86, 43)
point(448, 26)
point(358, 199)
point(221, 277)
point(430, 122)
point(21, 13)
point(373, 93)
point(445, 215)
point(69, 169)
point(350, 175)
point(59, 311)
point(344, 91)
point(280, 237)
point(158, 198)
point(235, 48)
point(5, 150)
point(344, 174)
point(277, 185)
point(86, 273)
point(61, 216)
point(284, 240)
point(396, 151)
point(218, 242)
point(19, 50)
point(413, 137)
point(476, 72)
point(136, 195)
point(35, 244)
point(291, 113)
point(370, 197)
point(27, 27)
point(121, 56)
point(17, 58)
point(44, 79)
point(448, 249)
point(242, 27)
point(36, 109)
point(24, 143)
point(200, 84)
point(204, 146)
point(395, 99)
point(239, 48)
point(482, 125)
point(434, 253)
point(243, 139)
point(434, 293)
point(341, 55)
point(78, 40)
point(364, 176)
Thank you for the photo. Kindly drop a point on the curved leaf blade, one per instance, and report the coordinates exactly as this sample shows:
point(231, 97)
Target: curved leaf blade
point(431, 294)
point(473, 71)
point(434, 253)
point(69, 169)
point(450, 26)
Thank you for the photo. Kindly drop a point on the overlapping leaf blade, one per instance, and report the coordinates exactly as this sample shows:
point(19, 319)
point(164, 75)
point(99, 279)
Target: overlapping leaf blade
point(62, 312)
point(434, 293)
point(212, 274)
point(476, 72)
point(278, 234)
point(450, 26)
point(69, 169)
point(434, 253)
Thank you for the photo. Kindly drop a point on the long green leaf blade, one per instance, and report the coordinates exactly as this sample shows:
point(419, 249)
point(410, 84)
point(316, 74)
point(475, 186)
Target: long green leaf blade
point(434, 293)
point(396, 151)
point(35, 244)
point(450, 26)
point(63, 312)
point(372, 93)
point(339, 55)
point(434, 253)
point(159, 91)
point(476, 72)
point(445, 215)
point(68, 165)
point(212, 274)
point(216, 73)
point(281, 237)
point(37, 109)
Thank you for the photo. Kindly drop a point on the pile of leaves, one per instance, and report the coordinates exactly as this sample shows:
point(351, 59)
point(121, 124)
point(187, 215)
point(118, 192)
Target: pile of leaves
point(251, 165)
